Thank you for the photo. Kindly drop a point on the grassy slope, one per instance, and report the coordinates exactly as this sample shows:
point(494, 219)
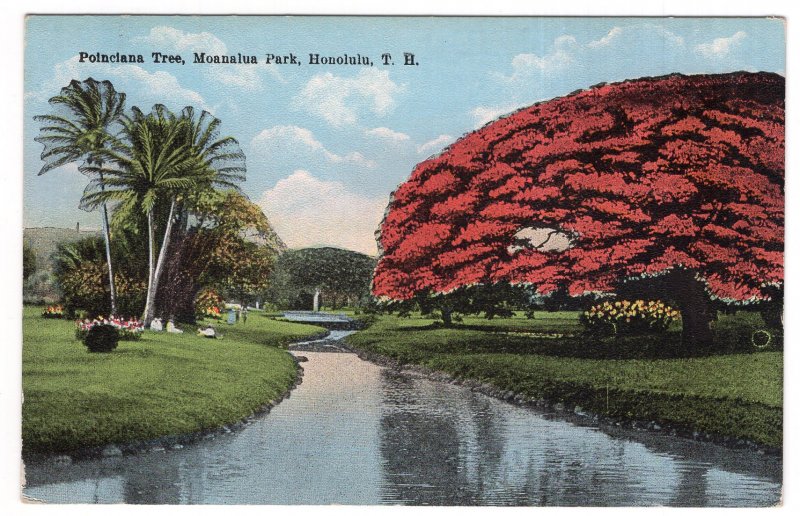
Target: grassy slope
point(737, 394)
point(164, 384)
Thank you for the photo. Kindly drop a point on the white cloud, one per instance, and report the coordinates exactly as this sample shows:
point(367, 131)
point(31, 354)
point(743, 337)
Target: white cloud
point(307, 211)
point(559, 57)
point(567, 53)
point(145, 87)
point(169, 39)
point(607, 39)
point(666, 35)
point(285, 140)
point(482, 115)
point(720, 47)
point(340, 100)
point(633, 32)
point(436, 144)
point(385, 133)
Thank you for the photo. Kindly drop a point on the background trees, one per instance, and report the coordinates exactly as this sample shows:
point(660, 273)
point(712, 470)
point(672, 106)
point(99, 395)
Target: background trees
point(28, 261)
point(675, 183)
point(339, 276)
point(80, 267)
point(171, 181)
point(163, 158)
point(223, 241)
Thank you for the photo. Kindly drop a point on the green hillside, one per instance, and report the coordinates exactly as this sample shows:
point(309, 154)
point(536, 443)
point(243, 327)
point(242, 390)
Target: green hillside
point(45, 240)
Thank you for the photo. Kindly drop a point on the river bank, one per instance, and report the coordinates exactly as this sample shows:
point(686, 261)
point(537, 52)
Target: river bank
point(162, 391)
point(733, 400)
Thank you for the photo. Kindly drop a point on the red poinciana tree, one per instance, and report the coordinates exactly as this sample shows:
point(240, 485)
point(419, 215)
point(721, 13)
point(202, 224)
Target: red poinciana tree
point(678, 179)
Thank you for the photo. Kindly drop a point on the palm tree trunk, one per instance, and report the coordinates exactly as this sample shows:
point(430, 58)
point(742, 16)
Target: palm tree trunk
point(107, 237)
point(151, 243)
point(150, 308)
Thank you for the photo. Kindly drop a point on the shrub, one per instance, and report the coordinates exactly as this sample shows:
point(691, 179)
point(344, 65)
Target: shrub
point(81, 273)
point(366, 320)
point(84, 288)
point(629, 317)
point(746, 331)
point(209, 303)
point(101, 338)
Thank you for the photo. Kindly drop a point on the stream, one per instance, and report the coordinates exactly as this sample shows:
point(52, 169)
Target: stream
point(357, 433)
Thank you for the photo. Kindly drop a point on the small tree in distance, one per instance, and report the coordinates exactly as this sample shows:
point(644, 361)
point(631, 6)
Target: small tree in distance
point(337, 275)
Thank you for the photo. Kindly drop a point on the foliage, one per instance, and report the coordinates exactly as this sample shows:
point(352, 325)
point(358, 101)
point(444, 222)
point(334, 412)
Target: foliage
point(80, 270)
point(626, 317)
point(84, 288)
point(163, 384)
point(745, 332)
point(130, 329)
point(163, 157)
point(209, 304)
point(493, 300)
point(168, 177)
point(739, 395)
point(231, 249)
point(28, 261)
point(40, 289)
point(585, 191)
point(101, 338)
point(342, 277)
point(53, 312)
point(85, 115)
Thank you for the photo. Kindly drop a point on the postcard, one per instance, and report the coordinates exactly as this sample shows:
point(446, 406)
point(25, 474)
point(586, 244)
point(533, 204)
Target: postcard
point(385, 260)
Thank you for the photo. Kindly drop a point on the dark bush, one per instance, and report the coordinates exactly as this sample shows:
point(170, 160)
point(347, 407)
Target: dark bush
point(101, 338)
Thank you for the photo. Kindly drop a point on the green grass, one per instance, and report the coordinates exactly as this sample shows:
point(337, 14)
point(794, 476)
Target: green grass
point(164, 384)
point(736, 394)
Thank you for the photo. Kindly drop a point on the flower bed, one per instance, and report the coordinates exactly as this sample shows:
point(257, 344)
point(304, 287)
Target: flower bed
point(53, 312)
point(629, 317)
point(128, 329)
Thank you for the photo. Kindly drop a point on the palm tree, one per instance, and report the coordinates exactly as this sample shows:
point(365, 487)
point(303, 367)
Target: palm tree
point(161, 158)
point(78, 130)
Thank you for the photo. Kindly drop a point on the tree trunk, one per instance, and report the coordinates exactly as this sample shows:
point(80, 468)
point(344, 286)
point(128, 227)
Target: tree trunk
point(316, 300)
point(107, 238)
point(151, 243)
point(696, 312)
point(447, 316)
point(149, 307)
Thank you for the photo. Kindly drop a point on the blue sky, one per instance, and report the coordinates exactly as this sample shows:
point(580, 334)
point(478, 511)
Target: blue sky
point(326, 144)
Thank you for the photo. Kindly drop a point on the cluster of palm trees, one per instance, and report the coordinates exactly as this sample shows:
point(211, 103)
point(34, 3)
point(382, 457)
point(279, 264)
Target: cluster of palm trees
point(136, 161)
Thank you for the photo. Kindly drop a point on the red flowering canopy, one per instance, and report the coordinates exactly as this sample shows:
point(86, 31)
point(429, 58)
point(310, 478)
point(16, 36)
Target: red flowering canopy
point(625, 180)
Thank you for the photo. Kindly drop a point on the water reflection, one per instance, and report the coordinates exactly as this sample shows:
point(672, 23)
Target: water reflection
point(355, 433)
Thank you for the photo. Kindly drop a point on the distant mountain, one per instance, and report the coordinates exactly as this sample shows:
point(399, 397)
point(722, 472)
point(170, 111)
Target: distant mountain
point(270, 239)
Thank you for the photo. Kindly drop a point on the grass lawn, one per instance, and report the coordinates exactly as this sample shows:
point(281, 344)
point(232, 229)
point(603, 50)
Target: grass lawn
point(164, 384)
point(734, 394)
